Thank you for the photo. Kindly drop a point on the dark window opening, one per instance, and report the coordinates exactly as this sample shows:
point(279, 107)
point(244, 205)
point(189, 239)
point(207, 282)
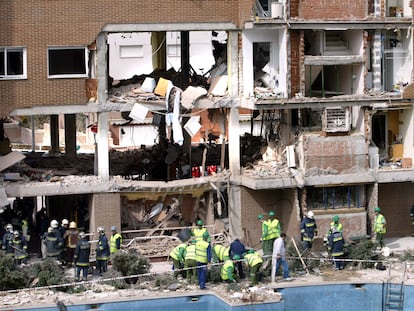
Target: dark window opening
point(67, 62)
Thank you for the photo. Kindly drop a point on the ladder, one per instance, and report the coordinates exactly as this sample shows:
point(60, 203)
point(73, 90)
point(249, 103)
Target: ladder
point(394, 296)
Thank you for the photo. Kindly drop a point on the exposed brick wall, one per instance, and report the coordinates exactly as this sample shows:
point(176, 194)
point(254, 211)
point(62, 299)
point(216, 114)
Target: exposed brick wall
point(346, 154)
point(42, 23)
point(256, 202)
point(105, 210)
point(333, 9)
point(295, 62)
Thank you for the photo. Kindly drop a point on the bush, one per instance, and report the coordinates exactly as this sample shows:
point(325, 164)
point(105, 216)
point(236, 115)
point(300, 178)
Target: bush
point(11, 277)
point(130, 264)
point(48, 272)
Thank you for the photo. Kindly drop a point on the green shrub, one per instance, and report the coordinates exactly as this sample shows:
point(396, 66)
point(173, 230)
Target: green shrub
point(11, 277)
point(130, 264)
point(48, 272)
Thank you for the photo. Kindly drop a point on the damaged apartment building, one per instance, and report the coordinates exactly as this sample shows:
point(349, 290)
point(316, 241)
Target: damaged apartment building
point(285, 106)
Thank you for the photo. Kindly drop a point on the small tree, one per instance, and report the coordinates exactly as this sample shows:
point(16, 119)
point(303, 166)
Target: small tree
point(11, 277)
point(130, 264)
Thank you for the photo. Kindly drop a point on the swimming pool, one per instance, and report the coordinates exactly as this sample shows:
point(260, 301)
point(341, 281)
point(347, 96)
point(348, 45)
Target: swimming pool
point(317, 297)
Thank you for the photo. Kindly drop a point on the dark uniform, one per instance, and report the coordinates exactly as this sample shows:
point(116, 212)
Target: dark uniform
point(81, 258)
point(102, 252)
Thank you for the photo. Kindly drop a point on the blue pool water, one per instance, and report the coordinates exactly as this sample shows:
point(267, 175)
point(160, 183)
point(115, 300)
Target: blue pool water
point(349, 297)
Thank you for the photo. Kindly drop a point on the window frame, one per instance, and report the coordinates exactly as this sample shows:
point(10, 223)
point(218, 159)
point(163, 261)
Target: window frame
point(68, 75)
point(22, 76)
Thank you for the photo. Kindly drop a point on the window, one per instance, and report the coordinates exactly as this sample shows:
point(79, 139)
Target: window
point(13, 63)
point(334, 197)
point(67, 62)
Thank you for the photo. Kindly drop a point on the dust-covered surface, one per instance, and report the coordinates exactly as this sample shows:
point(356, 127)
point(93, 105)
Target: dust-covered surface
point(159, 283)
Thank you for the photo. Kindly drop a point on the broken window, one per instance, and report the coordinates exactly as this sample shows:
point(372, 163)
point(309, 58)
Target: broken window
point(396, 60)
point(67, 62)
point(334, 197)
point(13, 63)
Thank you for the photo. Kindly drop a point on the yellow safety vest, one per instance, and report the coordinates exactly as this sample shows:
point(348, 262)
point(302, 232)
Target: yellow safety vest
point(176, 253)
point(201, 251)
point(273, 229)
point(253, 259)
point(198, 233)
point(112, 244)
point(379, 224)
point(190, 254)
point(228, 265)
point(222, 252)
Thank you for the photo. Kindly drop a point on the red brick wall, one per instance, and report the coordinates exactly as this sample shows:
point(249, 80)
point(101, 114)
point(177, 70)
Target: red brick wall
point(346, 154)
point(296, 53)
point(332, 9)
point(39, 24)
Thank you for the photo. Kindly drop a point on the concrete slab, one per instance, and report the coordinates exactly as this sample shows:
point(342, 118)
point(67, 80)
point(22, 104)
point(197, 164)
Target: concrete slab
point(10, 159)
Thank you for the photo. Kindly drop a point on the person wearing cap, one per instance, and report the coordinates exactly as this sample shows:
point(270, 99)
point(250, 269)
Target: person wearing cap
point(336, 245)
point(308, 230)
point(379, 227)
point(254, 262)
point(102, 251)
point(279, 259)
point(7, 240)
point(227, 270)
point(81, 257)
point(177, 256)
point(270, 232)
point(199, 231)
point(53, 242)
point(203, 258)
point(335, 224)
point(71, 238)
point(19, 245)
point(115, 241)
point(220, 253)
point(190, 263)
point(238, 248)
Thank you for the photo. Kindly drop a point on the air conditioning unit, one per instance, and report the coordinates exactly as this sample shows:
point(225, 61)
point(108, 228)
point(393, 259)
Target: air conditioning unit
point(290, 156)
point(276, 9)
point(336, 120)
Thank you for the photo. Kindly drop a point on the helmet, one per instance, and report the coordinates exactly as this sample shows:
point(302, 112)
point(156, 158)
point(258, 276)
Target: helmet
point(9, 227)
point(260, 217)
point(251, 251)
point(199, 222)
point(205, 235)
point(24, 222)
point(50, 230)
point(65, 222)
point(72, 225)
point(113, 228)
point(54, 223)
point(16, 233)
point(377, 209)
point(310, 214)
point(82, 235)
point(100, 229)
point(236, 257)
point(335, 218)
point(271, 213)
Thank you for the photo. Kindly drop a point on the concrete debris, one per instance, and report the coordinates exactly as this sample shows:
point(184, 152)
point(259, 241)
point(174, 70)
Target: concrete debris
point(10, 159)
point(268, 169)
point(316, 171)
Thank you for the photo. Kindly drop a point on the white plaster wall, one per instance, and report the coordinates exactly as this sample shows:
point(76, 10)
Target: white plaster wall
point(406, 129)
point(125, 68)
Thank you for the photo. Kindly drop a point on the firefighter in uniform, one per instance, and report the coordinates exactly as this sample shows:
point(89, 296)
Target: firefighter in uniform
point(102, 251)
point(81, 257)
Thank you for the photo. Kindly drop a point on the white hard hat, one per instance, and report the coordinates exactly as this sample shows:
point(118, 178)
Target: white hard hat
point(65, 222)
point(16, 233)
point(9, 227)
point(100, 229)
point(82, 235)
point(72, 225)
point(310, 215)
point(54, 223)
point(50, 230)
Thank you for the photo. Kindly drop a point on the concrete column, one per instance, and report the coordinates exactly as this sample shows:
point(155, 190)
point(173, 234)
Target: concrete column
point(235, 224)
point(233, 63)
point(105, 211)
point(372, 203)
point(376, 62)
point(234, 141)
point(54, 133)
point(70, 135)
point(103, 125)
